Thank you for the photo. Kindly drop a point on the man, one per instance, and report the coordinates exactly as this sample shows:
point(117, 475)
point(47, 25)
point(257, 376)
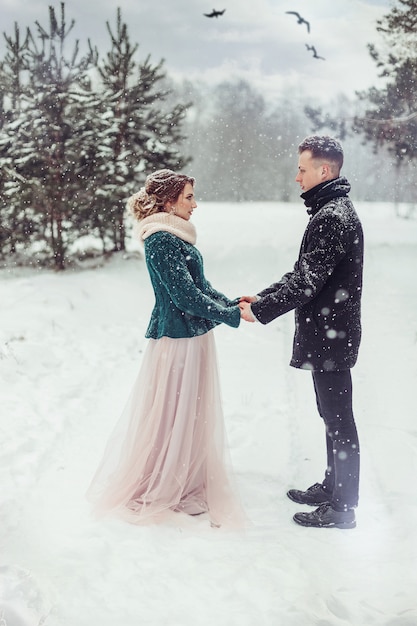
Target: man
point(325, 289)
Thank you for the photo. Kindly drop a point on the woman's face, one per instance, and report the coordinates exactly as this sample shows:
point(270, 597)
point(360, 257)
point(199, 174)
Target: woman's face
point(185, 203)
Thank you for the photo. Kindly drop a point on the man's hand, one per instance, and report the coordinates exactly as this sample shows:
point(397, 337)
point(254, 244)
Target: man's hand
point(248, 299)
point(246, 311)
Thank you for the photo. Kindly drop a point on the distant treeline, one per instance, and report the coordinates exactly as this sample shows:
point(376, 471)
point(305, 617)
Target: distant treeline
point(244, 148)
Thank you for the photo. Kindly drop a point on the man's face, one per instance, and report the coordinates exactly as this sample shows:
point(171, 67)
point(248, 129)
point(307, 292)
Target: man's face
point(311, 172)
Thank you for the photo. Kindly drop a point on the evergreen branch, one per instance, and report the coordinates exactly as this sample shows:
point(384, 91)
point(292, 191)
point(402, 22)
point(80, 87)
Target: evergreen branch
point(391, 120)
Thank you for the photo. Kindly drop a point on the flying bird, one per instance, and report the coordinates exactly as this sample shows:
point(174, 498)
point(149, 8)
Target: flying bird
point(214, 13)
point(300, 20)
point(314, 51)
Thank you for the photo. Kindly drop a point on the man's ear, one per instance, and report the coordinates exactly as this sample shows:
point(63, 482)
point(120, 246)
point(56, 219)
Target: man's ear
point(325, 171)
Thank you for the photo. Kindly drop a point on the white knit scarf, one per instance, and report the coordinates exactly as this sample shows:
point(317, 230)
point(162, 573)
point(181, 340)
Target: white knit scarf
point(167, 222)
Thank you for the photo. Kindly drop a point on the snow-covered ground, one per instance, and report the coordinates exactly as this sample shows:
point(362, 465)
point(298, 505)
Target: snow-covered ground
point(70, 348)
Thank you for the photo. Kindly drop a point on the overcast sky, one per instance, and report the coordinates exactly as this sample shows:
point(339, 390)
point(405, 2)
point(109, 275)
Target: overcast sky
point(254, 39)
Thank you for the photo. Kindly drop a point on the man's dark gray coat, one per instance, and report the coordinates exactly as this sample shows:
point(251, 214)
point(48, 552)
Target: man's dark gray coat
point(325, 286)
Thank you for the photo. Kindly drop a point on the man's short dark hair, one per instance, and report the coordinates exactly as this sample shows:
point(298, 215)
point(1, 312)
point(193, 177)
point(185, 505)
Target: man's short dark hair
point(323, 147)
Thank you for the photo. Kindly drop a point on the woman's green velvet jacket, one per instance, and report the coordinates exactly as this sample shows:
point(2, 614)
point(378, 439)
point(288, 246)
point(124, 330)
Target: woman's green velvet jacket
point(186, 305)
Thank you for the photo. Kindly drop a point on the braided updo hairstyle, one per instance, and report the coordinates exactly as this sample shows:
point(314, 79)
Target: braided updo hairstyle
point(160, 187)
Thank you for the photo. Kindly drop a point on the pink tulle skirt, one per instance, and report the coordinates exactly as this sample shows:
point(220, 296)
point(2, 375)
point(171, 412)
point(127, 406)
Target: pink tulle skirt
point(168, 451)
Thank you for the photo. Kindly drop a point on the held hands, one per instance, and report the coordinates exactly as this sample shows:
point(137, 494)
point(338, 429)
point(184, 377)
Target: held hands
point(245, 308)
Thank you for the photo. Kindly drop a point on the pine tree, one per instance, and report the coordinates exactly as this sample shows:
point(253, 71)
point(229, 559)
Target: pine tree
point(137, 132)
point(16, 222)
point(391, 116)
point(43, 144)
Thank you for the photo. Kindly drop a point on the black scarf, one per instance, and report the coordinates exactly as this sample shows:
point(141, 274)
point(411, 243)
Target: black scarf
point(321, 194)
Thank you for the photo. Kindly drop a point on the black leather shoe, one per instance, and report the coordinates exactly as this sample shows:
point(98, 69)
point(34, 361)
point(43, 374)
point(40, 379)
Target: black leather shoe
point(314, 495)
point(326, 517)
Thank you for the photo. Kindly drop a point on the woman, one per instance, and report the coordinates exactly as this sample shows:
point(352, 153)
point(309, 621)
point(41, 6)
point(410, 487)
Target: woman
point(167, 452)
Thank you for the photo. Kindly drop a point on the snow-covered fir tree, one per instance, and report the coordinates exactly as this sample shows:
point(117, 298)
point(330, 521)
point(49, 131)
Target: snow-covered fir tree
point(390, 118)
point(137, 134)
point(77, 136)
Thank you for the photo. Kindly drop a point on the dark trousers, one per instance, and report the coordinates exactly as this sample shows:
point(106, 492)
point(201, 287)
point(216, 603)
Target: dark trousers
point(334, 403)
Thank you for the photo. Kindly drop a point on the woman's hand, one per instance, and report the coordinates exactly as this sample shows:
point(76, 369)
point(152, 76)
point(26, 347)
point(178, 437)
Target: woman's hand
point(246, 311)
